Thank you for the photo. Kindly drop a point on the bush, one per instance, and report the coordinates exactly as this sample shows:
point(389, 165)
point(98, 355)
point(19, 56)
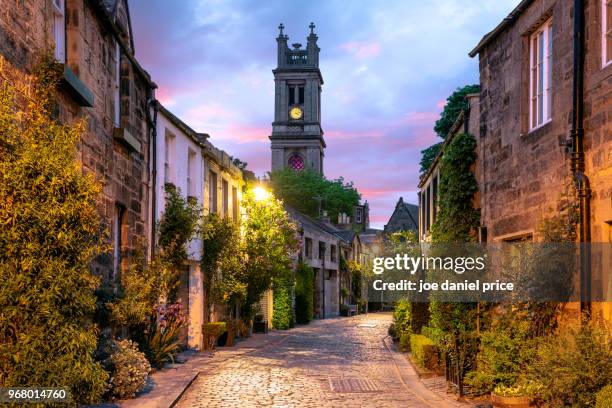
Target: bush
point(304, 294)
point(129, 370)
point(424, 351)
point(211, 333)
point(520, 389)
point(401, 316)
point(161, 340)
point(50, 232)
point(404, 340)
point(436, 335)
point(604, 397)
point(574, 365)
point(282, 314)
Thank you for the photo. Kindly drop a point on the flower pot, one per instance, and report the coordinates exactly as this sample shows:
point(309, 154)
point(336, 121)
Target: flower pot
point(511, 402)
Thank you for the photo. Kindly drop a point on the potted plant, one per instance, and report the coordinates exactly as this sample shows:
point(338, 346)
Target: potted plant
point(520, 395)
point(260, 325)
point(211, 333)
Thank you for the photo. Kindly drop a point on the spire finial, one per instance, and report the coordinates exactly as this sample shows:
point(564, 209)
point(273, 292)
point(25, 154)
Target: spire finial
point(280, 27)
point(312, 27)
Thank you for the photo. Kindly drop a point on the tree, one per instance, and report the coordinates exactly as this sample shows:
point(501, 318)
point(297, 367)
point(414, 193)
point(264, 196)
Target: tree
point(455, 103)
point(50, 232)
point(301, 189)
point(270, 238)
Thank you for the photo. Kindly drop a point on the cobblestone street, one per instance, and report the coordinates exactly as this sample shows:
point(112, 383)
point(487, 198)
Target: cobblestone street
point(336, 362)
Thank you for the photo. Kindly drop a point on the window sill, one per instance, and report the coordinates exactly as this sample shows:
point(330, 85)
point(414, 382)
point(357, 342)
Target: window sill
point(77, 89)
point(122, 135)
point(538, 130)
point(540, 126)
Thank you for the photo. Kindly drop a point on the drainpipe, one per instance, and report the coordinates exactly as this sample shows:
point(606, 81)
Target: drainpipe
point(153, 123)
point(581, 181)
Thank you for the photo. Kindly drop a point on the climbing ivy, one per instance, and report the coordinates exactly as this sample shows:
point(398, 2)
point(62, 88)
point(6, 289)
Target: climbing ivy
point(457, 218)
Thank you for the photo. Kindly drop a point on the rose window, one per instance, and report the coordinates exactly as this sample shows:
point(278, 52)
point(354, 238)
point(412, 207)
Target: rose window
point(296, 162)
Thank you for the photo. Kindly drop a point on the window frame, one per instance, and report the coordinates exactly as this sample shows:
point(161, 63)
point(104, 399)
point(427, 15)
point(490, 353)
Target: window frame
point(169, 139)
point(212, 192)
point(606, 33)
point(191, 158)
point(540, 71)
point(225, 196)
point(59, 29)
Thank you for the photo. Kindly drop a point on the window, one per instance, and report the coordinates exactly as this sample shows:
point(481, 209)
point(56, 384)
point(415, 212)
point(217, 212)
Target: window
point(225, 197)
point(235, 204)
point(332, 253)
point(308, 248)
point(191, 157)
point(168, 159)
point(358, 215)
point(296, 162)
point(117, 89)
point(212, 192)
point(606, 32)
point(296, 95)
point(118, 226)
point(59, 30)
point(321, 250)
point(291, 95)
point(540, 75)
point(301, 95)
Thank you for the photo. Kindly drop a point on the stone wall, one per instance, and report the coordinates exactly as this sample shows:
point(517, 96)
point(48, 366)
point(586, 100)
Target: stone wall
point(25, 32)
point(525, 171)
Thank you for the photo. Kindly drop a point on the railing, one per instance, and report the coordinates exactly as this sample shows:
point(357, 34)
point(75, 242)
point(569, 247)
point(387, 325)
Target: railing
point(297, 58)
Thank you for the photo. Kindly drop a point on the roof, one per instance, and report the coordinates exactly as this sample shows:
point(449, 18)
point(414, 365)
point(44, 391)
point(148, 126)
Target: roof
point(411, 210)
point(198, 138)
point(311, 223)
point(505, 23)
point(346, 235)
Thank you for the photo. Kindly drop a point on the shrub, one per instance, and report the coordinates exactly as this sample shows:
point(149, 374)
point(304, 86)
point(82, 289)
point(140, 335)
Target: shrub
point(129, 370)
point(573, 365)
point(604, 397)
point(50, 231)
point(424, 351)
point(161, 340)
point(436, 335)
point(304, 293)
point(404, 340)
point(520, 389)
point(282, 315)
point(211, 333)
point(401, 316)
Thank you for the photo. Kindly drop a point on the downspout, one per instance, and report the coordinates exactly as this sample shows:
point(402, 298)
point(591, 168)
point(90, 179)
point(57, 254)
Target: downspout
point(581, 181)
point(153, 123)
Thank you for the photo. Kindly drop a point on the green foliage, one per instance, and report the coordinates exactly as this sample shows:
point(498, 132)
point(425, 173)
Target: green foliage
point(50, 232)
point(176, 228)
point(457, 218)
point(161, 338)
point(522, 389)
point(455, 103)
point(427, 157)
point(604, 397)
point(298, 189)
point(404, 340)
point(129, 370)
point(574, 365)
point(142, 285)
point(424, 351)
point(282, 315)
point(221, 261)
point(304, 293)
point(269, 241)
point(401, 316)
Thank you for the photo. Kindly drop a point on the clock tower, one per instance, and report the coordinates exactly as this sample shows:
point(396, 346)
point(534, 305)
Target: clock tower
point(297, 138)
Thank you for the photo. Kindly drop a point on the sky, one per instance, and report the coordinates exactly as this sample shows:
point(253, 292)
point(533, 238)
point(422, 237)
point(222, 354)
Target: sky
point(388, 67)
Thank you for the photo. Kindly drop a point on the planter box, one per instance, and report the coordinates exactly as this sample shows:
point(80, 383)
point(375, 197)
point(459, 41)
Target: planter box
point(260, 327)
point(511, 402)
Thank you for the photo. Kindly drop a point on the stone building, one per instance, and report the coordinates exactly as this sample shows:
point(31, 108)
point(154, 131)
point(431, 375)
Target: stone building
point(468, 121)
point(545, 121)
point(297, 137)
point(405, 217)
point(105, 84)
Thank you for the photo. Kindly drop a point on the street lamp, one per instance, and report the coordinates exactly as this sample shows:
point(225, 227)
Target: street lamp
point(260, 193)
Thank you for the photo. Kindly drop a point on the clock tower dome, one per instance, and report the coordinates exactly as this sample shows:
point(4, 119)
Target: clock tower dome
point(297, 138)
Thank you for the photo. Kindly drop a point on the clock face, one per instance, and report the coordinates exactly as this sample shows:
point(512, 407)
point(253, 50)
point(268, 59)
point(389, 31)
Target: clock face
point(295, 113)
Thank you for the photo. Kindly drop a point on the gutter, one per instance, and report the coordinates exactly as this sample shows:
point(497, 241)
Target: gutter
point(153, 123)
point(581, 181)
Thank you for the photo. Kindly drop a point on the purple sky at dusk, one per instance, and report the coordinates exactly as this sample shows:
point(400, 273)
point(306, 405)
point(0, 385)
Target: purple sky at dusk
point(388, 67)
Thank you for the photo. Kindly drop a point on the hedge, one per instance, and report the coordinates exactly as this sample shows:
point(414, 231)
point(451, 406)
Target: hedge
point(424, 351)
point(604, 397)
point(304, 294)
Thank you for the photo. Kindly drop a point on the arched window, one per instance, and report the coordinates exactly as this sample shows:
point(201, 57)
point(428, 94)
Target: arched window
point(296, 162)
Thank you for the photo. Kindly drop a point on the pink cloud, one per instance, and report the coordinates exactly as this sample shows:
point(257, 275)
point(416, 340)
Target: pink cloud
point(352, 134)
point(362, 49)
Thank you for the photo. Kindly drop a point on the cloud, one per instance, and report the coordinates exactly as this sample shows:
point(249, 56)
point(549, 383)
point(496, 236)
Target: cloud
point(362, 49)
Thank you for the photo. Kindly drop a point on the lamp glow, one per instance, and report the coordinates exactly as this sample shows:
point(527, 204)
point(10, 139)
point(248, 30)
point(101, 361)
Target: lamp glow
point(261, 193)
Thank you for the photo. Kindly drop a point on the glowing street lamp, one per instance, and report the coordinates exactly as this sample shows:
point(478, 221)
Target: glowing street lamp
point(261, 194)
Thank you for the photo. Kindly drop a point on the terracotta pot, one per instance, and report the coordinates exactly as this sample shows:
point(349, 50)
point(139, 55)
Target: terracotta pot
point(511, 402)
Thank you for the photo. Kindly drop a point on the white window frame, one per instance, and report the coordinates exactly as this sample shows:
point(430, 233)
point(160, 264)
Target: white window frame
point(117, 89)
point(540, 76)
point(59, 30)
point(168, 157)
point(191, 156)
point(606, 33)
point(358, 216)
